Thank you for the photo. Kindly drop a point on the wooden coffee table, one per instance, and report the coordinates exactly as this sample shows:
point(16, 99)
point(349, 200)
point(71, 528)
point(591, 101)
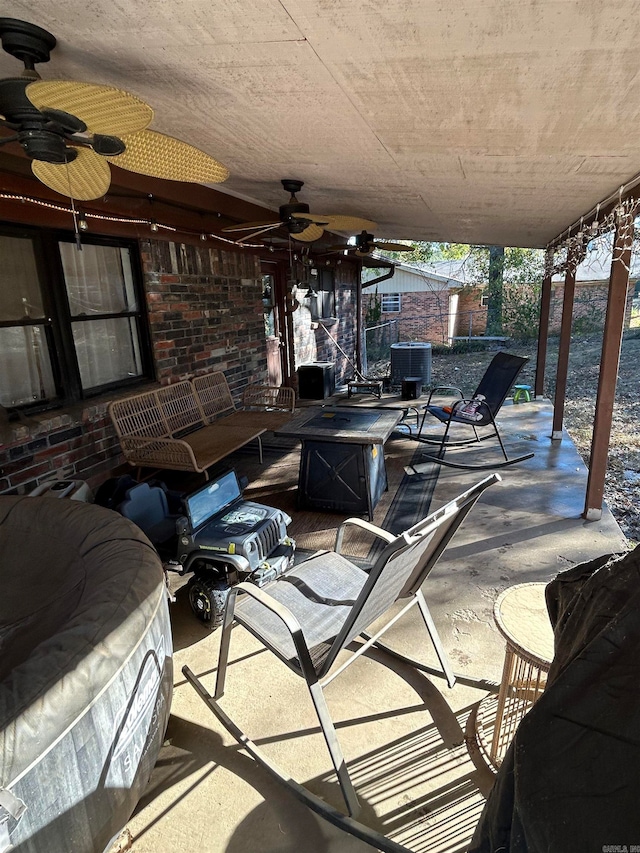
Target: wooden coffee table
point(342, 460)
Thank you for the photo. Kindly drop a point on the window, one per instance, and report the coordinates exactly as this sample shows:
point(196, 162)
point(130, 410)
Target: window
point(71, 322)
point(323, 303)
point(390, 303)
point(484, 300)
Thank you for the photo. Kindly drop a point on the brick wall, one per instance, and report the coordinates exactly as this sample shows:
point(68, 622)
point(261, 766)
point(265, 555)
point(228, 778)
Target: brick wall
point(423, 315)
point(589, 307)
point(79, 443)
point(205, 313)
point(471, 317)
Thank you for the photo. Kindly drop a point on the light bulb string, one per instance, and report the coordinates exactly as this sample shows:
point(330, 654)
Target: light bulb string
point(125, 220)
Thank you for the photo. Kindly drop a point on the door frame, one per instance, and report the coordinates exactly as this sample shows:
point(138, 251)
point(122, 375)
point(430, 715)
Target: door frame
point(283, 321)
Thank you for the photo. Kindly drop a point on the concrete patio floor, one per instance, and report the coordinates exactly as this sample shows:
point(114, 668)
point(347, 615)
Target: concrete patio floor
point(403, 733)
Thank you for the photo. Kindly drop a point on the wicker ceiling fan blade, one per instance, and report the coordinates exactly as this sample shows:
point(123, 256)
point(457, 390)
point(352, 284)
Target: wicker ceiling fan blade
point(310, 233)
point(252, 226)
point(85, 178)
point(392, 247)
point(333, 222)
point(315, 220)
point(162, 156)
point(258, 232)
point(103, 109)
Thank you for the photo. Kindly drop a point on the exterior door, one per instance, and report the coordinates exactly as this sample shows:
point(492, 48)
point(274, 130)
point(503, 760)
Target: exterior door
point(275, 329)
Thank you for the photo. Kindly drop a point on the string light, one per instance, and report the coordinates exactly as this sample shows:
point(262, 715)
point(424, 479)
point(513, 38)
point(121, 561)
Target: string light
point(83, 225)
point(150, 223)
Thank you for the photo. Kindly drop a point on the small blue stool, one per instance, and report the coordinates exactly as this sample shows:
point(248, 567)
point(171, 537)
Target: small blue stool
point(522, 394)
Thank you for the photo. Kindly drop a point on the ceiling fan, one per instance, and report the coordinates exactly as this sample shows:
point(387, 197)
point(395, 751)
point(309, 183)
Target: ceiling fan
point(299, 222)
point(366, 244)
point(72, 131)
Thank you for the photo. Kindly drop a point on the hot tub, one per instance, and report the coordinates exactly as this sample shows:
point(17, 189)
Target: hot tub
point(85, 673)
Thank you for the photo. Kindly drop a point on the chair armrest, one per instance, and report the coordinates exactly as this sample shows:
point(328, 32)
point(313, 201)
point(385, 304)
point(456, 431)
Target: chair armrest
point(283, 613)
point(161, 452)
point(270, 603)
point(279, 398)
point(364, 525)
point(444, 388)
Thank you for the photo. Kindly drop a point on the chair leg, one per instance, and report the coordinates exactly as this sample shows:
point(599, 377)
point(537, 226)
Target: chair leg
point(435, 638)
point(225, 640)
point(333, 745)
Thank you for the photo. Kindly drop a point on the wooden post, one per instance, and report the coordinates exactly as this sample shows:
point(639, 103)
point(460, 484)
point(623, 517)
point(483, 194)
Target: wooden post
point(543, 326)
point(359, 324)
point(564, 345)
point(609, 363)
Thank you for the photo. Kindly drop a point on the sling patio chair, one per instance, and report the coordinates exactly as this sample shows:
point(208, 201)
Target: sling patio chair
point(479, 410)
point(309, 615)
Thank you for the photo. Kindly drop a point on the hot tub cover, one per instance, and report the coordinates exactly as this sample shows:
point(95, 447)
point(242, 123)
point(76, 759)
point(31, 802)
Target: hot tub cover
point(85, 672)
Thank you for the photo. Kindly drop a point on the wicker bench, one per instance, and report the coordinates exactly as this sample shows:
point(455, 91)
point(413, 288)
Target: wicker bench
point(191, 425)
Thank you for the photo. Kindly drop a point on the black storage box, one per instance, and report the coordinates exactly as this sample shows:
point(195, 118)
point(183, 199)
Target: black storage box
point(316, 381)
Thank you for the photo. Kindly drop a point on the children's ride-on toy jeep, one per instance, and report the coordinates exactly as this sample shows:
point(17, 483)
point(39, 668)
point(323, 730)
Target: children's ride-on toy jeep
point(219, 537)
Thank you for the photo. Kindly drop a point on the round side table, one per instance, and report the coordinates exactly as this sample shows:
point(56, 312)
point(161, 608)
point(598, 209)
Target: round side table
point(521, 617)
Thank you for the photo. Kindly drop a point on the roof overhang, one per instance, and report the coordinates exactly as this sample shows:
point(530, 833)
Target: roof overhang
point(473, 122)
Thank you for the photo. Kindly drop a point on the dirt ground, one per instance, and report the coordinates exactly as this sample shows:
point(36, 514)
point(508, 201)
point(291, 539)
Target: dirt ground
point(622, 485)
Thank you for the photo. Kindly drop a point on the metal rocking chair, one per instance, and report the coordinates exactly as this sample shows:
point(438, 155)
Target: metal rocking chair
point(487, 401)
point(313, 612)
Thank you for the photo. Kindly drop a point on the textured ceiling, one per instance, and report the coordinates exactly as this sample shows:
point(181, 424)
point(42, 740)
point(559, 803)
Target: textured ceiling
point(483, 121)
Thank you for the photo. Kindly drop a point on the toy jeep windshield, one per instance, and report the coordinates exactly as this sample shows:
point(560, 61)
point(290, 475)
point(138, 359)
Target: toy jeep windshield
point(219, 537)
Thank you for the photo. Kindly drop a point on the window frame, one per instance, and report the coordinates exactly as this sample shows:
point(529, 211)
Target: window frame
point(58, 322)
point(397, 298)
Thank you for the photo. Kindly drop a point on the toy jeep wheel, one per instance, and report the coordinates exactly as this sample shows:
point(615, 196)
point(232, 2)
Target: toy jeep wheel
point(207, 599)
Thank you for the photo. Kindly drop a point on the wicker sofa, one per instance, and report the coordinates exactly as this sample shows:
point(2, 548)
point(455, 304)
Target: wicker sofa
point(191, 425)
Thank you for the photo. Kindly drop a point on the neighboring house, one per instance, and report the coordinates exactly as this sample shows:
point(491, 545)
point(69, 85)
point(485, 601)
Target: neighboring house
point(440, 301)
point(423, 303)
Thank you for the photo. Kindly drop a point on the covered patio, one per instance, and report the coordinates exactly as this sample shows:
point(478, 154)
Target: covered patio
point(413, 746)
point(483, 123)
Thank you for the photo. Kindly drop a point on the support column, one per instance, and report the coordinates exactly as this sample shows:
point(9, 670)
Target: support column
point(609, 363)
point(359, 324)
point(543, 326)
point(564, 345)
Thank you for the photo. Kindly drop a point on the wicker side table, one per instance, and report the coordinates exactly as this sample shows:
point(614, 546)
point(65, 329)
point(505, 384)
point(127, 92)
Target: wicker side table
point(521, 617)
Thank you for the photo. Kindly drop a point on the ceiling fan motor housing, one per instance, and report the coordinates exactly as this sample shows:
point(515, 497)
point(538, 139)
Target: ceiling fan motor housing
point(294, 225)
point(364, 242)
point(25, 41)
point(40, 138)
